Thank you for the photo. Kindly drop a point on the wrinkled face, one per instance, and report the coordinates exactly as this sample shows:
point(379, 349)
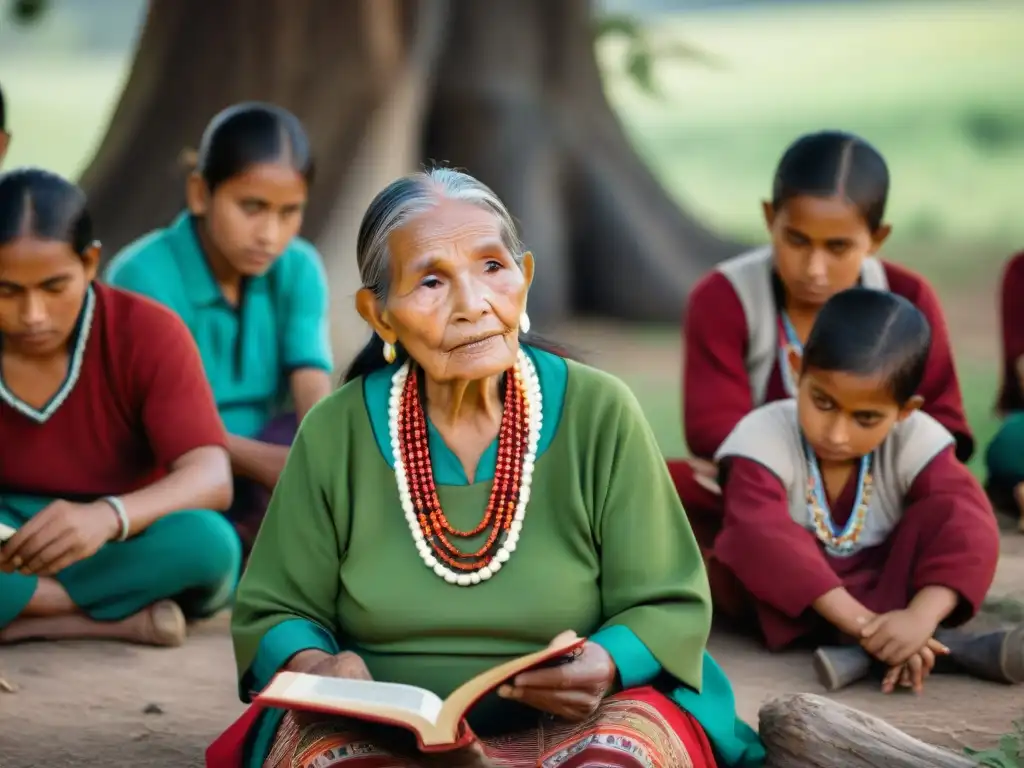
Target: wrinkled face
point(252, 217)
point(819, 245)
point(42, 287)
point(456, 294)
point(844, 416)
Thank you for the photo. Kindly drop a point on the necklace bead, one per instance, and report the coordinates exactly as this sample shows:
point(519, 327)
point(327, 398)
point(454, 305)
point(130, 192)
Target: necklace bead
point(839, 543)
point(518, 438)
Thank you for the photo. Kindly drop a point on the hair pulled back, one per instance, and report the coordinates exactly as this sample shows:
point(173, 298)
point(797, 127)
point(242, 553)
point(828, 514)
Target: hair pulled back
point(248, 134)
point(866, 332)
point(834, 164)
point(41, 204)
point(392, 208)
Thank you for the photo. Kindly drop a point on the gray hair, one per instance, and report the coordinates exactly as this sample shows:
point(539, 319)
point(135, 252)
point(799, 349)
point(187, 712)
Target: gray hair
point(410, 196)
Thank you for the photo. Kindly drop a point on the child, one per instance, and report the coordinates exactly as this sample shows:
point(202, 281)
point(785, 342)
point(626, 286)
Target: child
point(826, 221)
point(251, 291)
point(113, 455)
point(1005, 455)
point(847, 514)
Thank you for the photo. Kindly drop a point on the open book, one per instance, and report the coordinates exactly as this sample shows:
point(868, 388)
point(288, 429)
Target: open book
point(6, 532)
point(438, 725)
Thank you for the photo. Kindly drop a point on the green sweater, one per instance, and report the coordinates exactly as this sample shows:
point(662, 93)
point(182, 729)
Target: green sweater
point(605, 550)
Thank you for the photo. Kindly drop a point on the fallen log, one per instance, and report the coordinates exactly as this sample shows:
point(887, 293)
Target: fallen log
point(807, 731)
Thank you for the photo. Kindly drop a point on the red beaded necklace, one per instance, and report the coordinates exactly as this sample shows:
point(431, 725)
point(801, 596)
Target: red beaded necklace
point(513, 437)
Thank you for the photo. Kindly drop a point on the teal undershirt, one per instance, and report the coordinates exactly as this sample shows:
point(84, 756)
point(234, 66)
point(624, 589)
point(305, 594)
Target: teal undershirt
point(714, 708)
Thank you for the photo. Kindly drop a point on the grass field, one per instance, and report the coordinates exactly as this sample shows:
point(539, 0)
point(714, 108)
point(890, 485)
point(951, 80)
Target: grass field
point(937, 86)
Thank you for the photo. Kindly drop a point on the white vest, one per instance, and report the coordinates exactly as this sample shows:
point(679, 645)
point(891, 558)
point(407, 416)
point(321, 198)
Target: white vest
point(751, 277)
point(770, 435)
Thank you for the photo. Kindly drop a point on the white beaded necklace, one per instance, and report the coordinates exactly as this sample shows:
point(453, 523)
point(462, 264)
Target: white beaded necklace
point(534, 404)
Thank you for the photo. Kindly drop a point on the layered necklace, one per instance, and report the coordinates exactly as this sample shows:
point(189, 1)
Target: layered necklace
point(840, 543)
point(518, 438)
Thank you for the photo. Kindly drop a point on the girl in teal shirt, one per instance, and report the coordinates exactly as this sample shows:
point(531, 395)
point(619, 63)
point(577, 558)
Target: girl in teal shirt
point(251, 291)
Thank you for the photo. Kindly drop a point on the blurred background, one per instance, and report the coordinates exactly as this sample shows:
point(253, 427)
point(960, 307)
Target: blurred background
point(938, 87)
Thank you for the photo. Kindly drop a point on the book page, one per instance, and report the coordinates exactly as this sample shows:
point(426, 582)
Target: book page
point(335, 691)
point(463, 697)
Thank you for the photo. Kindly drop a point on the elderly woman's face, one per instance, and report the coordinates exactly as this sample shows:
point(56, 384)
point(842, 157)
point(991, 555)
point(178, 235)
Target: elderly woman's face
point(456, 293)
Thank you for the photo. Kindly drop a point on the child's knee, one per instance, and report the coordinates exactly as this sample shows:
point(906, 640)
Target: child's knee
point(1004, 458)
point(206, 543)
point(16, 593)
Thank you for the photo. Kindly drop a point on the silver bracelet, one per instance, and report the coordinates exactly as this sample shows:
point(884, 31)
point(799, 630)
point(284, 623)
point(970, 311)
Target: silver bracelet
point(122, 516)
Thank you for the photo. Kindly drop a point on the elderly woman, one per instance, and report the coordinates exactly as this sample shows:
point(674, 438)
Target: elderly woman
point(466, 498)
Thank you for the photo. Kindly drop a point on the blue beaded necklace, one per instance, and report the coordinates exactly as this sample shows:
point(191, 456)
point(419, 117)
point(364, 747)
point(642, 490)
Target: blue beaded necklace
point(839, 543)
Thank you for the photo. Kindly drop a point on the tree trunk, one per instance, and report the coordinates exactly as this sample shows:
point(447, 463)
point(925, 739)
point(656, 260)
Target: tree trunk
point(808, 731)
point(508, 89)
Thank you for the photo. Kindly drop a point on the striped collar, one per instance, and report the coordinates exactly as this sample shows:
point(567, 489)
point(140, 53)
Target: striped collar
point(81, 340)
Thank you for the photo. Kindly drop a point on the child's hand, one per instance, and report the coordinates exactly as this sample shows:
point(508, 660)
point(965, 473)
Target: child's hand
point(911, 674)
point(894, 637)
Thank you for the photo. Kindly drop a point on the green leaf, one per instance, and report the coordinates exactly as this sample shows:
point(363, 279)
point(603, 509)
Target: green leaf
point(683, 51)
point(640, 69)
point(994, 758)
point(618, 24)
point(642, 51)
point(24, 12)
point(1010, 745)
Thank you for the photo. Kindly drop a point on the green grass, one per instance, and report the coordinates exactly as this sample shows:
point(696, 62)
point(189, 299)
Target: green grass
point(937, 86)
point(58, 108)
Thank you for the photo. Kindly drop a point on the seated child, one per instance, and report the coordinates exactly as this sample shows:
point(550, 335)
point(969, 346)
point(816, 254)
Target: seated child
point(113, 468)
point(848, 519)
point(1004, 458)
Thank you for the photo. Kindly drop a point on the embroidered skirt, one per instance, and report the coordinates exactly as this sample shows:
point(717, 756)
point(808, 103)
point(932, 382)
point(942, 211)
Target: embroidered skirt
point(639, 728)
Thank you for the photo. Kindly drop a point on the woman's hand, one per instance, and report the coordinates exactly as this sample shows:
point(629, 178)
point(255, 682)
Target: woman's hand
point(912, 673)
point(573, 690)
point(894, 637)
point(346, 664)
point(706, 474)
point(60, 535)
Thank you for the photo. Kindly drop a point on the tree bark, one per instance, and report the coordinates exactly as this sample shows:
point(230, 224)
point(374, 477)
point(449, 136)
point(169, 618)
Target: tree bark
point(808, 731)
point(508, 89)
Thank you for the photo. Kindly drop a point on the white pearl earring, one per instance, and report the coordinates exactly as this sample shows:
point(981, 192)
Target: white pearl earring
point(389, 352)
point(524, 323)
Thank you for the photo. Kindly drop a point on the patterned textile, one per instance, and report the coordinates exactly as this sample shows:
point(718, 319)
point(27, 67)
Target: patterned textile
point(637, 729)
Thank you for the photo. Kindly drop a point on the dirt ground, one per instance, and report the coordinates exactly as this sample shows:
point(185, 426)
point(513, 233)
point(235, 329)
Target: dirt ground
point(92, 704)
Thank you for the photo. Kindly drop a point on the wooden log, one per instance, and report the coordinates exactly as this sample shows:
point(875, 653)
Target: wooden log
point(807, 731)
